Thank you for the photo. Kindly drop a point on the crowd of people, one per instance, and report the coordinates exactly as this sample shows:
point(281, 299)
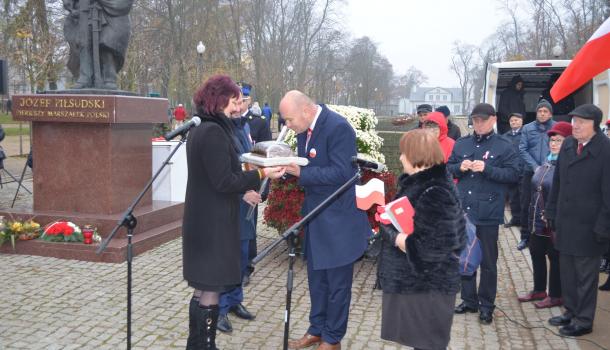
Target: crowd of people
point(555, 176)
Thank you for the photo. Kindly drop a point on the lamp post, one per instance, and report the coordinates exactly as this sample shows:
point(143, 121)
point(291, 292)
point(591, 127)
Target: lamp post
point(290, 69)
point(200, 51)
point(360, 93)
point(334, 79)
point(375, 101)
point(148, 81)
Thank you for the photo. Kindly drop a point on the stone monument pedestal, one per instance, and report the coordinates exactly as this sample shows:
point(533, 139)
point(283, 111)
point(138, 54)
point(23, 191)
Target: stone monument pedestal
point(92, 156)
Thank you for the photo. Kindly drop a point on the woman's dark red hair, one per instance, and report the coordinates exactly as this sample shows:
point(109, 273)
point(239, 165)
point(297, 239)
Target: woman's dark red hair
point(214, 95)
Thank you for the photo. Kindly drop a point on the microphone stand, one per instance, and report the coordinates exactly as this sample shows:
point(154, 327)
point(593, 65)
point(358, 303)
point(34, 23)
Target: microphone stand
point(291, 236)
point(129, 221)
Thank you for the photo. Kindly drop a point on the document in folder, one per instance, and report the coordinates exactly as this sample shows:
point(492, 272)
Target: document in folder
point(400, 212)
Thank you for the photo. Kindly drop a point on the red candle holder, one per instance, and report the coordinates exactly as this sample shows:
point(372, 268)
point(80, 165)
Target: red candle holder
point(88, 234)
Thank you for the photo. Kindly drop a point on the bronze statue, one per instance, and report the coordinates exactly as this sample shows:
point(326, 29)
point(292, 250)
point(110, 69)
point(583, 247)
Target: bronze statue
point(98, 34)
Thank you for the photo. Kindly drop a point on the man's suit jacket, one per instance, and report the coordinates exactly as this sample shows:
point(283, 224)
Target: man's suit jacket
point(337, 235)
point(580, 197)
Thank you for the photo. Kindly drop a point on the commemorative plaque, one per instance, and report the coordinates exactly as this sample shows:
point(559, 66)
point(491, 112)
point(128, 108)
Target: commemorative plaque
point(92, 153)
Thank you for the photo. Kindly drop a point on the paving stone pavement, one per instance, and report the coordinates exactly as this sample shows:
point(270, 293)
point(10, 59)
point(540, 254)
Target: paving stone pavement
point(49, 303)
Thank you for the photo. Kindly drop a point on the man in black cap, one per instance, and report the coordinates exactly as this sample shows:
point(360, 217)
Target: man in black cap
point(453, 130)
point(485, 164)
point(422, 112)
point(578, 210)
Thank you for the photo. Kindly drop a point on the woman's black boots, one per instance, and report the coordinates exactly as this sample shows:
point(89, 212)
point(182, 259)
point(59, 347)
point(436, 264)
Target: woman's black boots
point(202, 326)
point(193, 342)
point(207, 320)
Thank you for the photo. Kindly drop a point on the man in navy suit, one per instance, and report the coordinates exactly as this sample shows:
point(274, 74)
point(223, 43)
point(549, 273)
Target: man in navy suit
point(336, 237)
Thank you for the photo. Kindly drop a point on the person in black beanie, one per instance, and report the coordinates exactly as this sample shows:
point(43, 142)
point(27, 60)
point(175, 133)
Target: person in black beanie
point(533, 148)
point(454, 130)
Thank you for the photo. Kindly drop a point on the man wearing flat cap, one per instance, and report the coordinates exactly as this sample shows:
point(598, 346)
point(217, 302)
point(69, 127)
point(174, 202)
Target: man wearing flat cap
point(485, 164)
point(578, 210)
point(422, 111)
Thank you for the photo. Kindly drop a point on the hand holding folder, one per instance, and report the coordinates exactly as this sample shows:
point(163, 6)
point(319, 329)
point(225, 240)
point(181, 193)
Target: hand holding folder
point(399, 213)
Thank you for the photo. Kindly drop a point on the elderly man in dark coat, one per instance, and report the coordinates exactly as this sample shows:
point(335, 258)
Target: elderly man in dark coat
point(579, 212)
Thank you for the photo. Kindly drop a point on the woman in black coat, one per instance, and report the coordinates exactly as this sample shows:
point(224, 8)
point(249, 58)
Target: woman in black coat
point(210, 230)
point(419, 273)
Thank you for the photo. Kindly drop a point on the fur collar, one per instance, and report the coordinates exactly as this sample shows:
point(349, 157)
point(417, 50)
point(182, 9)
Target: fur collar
point(436, 172)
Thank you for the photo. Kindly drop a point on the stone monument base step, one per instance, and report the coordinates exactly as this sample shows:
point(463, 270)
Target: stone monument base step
point(158, 223)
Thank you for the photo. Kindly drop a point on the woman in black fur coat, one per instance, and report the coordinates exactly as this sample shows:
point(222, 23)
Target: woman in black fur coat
point(419, 273)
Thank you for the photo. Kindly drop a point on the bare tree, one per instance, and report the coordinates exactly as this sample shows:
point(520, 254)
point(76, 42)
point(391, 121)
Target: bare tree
point(463, 63)
point(414, 77)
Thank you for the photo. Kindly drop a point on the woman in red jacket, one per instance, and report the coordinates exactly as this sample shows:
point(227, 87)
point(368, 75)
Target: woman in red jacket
point(436, 123)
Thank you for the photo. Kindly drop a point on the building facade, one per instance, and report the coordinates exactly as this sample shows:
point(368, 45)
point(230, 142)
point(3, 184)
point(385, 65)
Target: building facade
point(434, 96)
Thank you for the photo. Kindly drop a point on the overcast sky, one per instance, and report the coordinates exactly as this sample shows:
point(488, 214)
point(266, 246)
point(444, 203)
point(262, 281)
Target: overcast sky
point(421, 32)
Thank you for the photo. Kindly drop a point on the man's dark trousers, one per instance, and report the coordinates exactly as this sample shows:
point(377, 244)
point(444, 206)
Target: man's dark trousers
point(526, 196)
point(330, 291)
point(514, 200)
point(579, 279)
point(486, 296)
point(235, 296)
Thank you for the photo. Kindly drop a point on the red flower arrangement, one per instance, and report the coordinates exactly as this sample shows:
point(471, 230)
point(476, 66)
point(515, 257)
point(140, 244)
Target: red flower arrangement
point(286, 197)
point(62, 231)
point(284, 204)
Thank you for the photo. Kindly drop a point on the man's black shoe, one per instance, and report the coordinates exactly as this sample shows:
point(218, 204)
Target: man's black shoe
point(522, 244)
point(572, 330)
point(224, 324)
point(561, 320)
point(486, 317)
point(240, 311)
point(603, 266)
point(463, 308)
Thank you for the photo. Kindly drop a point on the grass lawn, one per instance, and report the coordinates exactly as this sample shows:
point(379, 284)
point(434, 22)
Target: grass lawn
point(14, 131)
point(6, 119)
point(11, 127)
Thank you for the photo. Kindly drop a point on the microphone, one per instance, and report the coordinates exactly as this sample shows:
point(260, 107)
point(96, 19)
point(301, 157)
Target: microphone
point(367, 164)
point(195, 121)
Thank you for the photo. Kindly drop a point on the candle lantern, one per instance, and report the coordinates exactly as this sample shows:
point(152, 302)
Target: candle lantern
point(88, 234)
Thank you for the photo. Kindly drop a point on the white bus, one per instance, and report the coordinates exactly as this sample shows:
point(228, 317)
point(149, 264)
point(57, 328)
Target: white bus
point(536, 76)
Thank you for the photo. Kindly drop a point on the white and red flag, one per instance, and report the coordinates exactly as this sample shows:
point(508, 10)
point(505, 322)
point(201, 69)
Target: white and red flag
point(592, 59)
point(373, 192)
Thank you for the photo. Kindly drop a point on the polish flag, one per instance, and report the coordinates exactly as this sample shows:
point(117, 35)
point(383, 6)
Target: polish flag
point(592, 59)
point(373, 192)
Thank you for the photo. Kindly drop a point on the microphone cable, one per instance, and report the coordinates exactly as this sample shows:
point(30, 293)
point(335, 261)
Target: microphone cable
point(549, 329)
